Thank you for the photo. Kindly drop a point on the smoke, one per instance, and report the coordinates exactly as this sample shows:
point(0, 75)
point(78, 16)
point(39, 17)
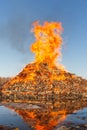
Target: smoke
point(16, 32)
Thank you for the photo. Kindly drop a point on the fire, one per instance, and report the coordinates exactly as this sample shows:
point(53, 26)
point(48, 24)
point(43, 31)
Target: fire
point(48, 42)
point(42, 76)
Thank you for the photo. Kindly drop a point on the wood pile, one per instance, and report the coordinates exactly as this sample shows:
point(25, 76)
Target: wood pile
point(39, 81)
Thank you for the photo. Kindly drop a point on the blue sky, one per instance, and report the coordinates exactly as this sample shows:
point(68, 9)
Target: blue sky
point(16, 17)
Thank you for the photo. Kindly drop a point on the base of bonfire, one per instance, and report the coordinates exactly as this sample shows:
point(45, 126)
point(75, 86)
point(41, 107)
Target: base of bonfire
point(41, 82)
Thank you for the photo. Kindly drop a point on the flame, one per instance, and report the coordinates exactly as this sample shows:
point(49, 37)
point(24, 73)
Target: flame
point(48, 42)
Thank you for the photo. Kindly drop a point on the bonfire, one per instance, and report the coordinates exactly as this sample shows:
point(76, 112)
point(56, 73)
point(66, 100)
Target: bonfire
point(45, 78)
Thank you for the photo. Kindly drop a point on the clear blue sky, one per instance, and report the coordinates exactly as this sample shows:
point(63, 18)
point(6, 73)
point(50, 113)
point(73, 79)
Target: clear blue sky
point(16, 17)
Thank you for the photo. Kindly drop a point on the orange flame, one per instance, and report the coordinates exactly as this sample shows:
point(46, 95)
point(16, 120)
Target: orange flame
point(48, 42)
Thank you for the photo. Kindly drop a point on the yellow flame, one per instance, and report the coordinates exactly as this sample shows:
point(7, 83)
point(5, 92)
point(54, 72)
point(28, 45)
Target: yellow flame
point(48, 42)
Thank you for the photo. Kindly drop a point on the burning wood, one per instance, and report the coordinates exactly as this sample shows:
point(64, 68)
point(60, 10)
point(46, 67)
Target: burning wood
point(45, 78)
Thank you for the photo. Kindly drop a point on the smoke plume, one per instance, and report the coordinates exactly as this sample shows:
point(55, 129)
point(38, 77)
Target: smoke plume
point(16, 33)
